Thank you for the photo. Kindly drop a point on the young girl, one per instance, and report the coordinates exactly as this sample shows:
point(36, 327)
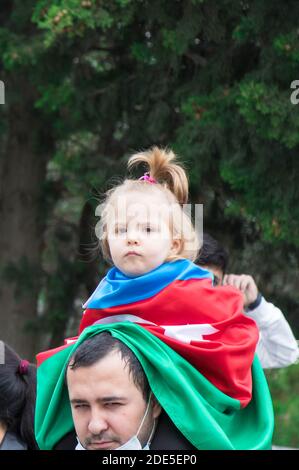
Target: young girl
point(17, 401)
point(152, 243)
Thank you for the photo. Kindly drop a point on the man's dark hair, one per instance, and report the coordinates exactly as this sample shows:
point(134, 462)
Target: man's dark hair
point(99, 346)
point(212, 253)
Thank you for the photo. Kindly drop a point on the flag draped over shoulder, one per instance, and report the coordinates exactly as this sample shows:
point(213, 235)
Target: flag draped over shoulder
point(178, 303)
point(208, 418)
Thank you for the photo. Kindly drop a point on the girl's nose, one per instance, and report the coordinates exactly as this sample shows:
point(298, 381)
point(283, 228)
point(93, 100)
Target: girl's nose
point(132, 237)
point(132, 241)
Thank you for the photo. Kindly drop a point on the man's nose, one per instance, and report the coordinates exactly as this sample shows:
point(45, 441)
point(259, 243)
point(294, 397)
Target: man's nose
point(97, 423)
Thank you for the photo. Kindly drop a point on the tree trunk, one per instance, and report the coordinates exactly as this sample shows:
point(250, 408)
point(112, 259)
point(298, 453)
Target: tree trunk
point(83, 271)
point(22, 175)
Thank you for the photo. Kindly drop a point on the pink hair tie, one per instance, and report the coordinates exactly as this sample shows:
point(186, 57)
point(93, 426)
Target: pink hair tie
point(23, 367)
point(148, 178)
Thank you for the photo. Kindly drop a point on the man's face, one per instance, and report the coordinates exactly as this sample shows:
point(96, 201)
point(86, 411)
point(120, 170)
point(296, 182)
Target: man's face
point(107, 407)
point(218, 273)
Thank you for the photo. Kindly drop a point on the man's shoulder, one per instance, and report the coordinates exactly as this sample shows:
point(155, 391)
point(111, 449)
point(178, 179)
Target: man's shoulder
point(68, 442)
point(168, 437)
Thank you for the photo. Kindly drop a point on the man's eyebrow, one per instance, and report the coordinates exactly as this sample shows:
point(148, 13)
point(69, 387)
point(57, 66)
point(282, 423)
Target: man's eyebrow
point(112, 398)
point(103, 399)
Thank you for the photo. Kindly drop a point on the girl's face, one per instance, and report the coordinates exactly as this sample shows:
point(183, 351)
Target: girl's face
point(139, 234)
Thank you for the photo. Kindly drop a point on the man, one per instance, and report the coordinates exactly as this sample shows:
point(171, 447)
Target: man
point(112, 405)
point(132, 391)
point(277, 346)
point(213, 257)
point(111, 402)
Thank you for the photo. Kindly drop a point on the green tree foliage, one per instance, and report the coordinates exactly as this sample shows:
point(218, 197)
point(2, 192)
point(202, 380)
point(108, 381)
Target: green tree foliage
point(284, 388)
point(211, 78)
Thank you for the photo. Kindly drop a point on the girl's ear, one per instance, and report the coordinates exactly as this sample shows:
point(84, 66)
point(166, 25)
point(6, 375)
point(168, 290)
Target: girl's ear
point(176, 246)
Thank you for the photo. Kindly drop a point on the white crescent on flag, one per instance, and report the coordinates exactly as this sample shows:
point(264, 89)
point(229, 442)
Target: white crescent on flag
point(184, 333)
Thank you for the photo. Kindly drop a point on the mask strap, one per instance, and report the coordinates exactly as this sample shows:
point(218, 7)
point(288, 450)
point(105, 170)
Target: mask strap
point(151, 434)
point(144, 416)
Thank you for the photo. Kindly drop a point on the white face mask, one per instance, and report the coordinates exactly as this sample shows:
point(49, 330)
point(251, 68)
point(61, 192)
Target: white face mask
point(133, 443)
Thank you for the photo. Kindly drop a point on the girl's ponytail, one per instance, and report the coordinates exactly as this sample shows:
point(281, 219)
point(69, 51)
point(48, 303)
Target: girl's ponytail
point(163, 168)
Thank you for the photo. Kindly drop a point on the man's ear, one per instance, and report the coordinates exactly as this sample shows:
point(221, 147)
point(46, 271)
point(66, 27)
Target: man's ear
point(156, 407)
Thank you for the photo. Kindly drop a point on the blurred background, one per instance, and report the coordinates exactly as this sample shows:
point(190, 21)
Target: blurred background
point(89, 82)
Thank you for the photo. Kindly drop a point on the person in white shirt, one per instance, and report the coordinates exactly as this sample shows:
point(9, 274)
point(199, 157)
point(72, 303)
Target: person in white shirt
point(277, 346)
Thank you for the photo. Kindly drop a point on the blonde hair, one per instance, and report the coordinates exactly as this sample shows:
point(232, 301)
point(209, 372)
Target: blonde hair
point(171, 181)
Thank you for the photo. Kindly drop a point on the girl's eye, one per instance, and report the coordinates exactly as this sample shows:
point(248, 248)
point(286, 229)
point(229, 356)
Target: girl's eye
point(150, 229)
point(120, 230)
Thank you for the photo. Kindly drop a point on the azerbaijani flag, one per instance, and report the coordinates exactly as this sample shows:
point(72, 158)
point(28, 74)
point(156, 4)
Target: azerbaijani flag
point(208, 418)
point(178, 303)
